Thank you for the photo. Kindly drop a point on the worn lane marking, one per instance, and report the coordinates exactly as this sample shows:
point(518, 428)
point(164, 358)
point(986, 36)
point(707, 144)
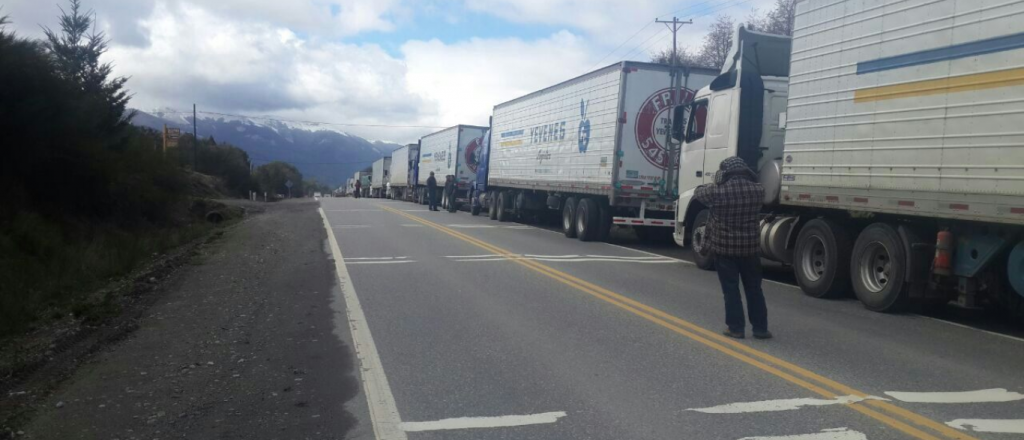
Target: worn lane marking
point(384, 415)
point(1001, 426)
point(978, 396)
point(375, 258)
point(827, 434)
point(780, 405)
point(382, 262)
point(565, 258)
point(737, 350)
point(483, 422)
point(354, 210)
point(350, 226)
point(472, 226)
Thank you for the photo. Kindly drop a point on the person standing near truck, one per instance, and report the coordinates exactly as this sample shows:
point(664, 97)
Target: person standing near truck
point(449, 192)
point(735, 200)
point(432, 192)
point(359, 188)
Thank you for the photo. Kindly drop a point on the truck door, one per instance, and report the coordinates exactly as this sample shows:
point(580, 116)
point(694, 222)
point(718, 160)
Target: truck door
point(721, 124)
point(691, 166)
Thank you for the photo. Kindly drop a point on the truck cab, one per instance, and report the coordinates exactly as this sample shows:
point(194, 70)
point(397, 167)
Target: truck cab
point(741, 113)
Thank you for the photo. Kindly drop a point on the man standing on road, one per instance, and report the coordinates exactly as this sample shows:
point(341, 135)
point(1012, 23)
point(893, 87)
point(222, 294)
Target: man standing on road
point(359, 188)
point(432, 192)
point(735, 201)
point(449, 193)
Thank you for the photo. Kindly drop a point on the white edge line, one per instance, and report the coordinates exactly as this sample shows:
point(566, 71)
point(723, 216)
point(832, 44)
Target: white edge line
point(993, 395)
point(651, 254)
point(384, 415)
point(1002, 426)
point(483, 422)
point(383, 262)
point(1014, 338)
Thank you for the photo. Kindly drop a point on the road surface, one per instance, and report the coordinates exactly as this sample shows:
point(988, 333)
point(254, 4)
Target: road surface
point(478, 325)
point(465, 328)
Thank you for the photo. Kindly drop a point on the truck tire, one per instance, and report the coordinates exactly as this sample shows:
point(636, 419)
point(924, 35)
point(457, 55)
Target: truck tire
point(569, 217)
point(702, 255)
point(474, 210)
point(878, 269)
point(820, 258)
point(502, 214)
point(587, 219)
point(492, 208)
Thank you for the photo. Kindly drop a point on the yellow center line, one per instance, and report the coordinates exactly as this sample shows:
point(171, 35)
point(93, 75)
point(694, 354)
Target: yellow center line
point(785, 370)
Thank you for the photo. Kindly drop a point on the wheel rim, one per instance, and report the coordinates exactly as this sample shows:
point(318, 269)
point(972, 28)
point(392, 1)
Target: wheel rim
point(814, 259)
point(581, 223)
point(698, 238)
point(875, 267)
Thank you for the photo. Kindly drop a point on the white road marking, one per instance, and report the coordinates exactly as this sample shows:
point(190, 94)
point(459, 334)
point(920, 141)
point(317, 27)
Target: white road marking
point(412, 226)
point(415, 210)
point(350, 226)
point(384, 415)
point(978, 396)
point(376, 258)
point(564, 258)
point(1002, 426)
point(484, 422)
point(651, 254)
point(472, 226)
point(828, 434)
point(1014, 338)
point(383, 262)
point(355, 210)
point(473, 256)
point(780, 405)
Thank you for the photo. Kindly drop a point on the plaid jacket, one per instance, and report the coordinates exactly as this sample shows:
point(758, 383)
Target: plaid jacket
point(735, 206)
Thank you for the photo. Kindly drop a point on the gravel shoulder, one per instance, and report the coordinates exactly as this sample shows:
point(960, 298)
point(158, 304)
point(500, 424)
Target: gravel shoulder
point(237, 344)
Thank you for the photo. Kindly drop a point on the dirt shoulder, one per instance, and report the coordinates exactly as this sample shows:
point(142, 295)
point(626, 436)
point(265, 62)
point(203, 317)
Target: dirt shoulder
point(237, 343)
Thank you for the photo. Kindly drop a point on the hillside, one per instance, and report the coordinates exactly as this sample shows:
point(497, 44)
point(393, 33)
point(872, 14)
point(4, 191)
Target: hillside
point(326, 155)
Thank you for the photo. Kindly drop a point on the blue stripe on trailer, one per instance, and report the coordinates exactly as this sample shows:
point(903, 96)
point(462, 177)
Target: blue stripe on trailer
point(981, 47)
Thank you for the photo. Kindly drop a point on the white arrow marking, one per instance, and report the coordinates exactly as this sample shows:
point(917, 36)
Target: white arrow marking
point(483, 422)
point(1006, 426)
point(978, 396)
point(780, 405)
point(828, 434)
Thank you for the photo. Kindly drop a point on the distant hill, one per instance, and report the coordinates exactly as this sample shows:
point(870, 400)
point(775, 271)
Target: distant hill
point(327, 155)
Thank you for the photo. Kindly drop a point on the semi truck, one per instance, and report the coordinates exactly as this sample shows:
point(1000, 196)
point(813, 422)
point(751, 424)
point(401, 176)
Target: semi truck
point(888, 140)
point(380, 177)
point(403, 171)
point(594, 149)
point(454, 151)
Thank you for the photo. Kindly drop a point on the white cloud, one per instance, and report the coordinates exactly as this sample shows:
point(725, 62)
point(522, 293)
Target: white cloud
point(467, 79)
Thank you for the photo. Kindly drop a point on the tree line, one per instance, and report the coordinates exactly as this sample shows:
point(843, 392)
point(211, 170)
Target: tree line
point(715, 46)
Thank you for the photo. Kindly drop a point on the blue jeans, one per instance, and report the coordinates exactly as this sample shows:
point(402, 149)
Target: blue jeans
point(730, 271)
point(432, 198)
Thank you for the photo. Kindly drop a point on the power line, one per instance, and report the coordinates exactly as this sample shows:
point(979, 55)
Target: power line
point(293, 121)
point(598, 63)
point(702, 13)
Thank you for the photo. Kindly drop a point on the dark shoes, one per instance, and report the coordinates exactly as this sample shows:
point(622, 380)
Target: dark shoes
point(740, 335)
point(733, 334)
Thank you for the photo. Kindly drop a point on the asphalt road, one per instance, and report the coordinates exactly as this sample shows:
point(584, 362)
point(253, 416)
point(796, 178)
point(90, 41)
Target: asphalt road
point(469, 329)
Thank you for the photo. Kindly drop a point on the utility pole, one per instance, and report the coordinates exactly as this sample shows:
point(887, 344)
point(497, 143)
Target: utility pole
point(196, 141)
point(670, 172)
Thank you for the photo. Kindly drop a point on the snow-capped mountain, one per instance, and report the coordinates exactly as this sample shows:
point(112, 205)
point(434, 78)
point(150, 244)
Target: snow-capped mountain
point(327, 155)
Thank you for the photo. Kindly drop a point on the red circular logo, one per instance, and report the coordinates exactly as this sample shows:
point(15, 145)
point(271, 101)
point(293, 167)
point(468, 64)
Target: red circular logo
point(473, 153)
point(652, 125)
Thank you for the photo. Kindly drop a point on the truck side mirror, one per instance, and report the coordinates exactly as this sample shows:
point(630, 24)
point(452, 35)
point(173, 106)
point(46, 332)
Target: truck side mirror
point(679, 123)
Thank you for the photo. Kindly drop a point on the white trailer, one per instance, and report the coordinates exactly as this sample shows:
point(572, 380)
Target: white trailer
point(594, 148)
point(403, 167)
point(888, 140)
point(453, 152)
point(379, 179)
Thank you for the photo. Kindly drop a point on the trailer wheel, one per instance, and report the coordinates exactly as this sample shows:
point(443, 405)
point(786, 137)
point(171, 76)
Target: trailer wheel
point(492, 205)
point(820, 259)
point(569, 217)
point(502, 214)
point(878, 269)
point(587, 220)
point(702, 255)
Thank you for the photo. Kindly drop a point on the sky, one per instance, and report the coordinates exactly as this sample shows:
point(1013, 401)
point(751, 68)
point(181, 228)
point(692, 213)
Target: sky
point(427, 63)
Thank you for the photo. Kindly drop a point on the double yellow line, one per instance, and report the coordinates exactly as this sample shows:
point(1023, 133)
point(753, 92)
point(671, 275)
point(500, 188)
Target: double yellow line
point(905, 421)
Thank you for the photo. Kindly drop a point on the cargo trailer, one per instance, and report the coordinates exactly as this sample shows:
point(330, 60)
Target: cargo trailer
point(379, 179)
point(888, 143)
point(403, 171)
point(454, 151)
point(594, 149)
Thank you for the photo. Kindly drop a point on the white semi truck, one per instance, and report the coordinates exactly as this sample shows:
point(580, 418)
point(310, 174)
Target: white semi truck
point(593, 148)
point(403, 171)
point(888, 136)
point(454, 151)
point(381, 175)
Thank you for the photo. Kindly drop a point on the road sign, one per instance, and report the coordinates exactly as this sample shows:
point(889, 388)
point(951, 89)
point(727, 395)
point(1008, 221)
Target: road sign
point(289, 184)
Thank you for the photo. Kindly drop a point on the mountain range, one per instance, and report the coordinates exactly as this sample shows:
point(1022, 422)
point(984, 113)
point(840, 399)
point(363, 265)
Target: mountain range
point(328, 156)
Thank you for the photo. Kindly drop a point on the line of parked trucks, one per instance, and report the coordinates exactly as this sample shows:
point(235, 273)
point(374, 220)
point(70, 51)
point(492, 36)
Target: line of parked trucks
point(889, 136)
